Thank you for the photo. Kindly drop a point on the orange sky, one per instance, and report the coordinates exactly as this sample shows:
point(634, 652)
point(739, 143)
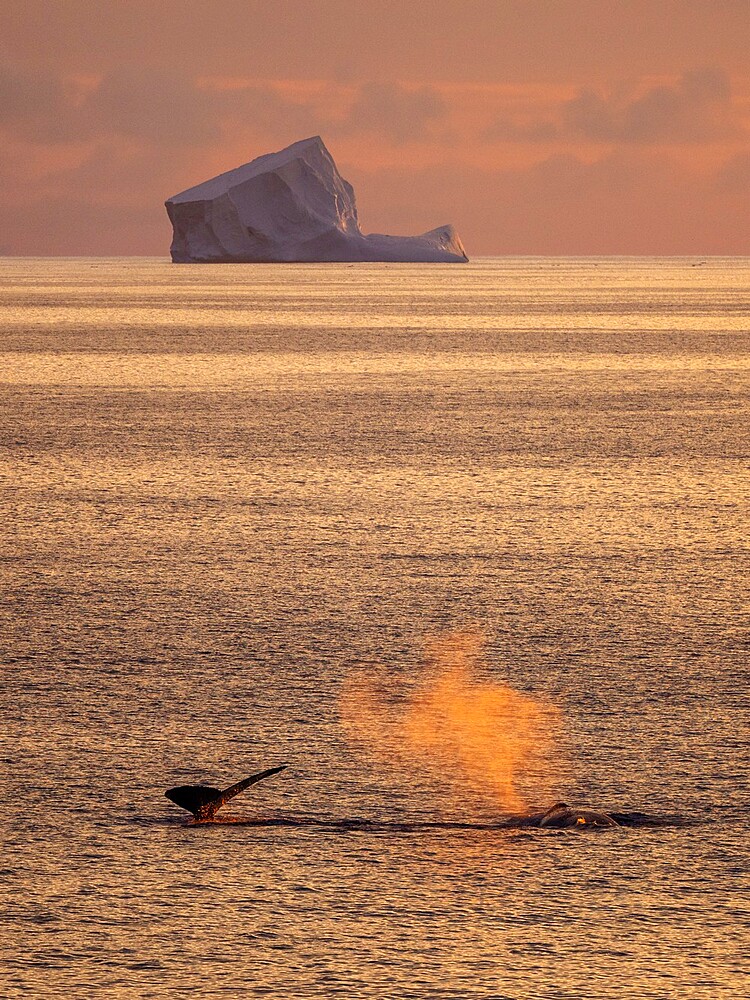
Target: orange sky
point(537, 126)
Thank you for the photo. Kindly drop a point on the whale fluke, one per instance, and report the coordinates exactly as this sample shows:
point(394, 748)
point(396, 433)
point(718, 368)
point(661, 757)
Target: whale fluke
point(203, 801)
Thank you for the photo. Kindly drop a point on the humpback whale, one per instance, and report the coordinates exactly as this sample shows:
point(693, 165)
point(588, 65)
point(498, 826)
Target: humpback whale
point(203, 801)
point(561, 816)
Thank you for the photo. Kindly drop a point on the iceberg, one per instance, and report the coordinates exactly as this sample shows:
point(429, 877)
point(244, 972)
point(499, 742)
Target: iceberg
point(290, 206)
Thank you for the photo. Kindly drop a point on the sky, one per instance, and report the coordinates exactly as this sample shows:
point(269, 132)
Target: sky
point(534, 126)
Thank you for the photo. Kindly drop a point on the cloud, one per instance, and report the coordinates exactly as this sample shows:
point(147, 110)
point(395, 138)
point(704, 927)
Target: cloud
point(698, 108)
point(172, 108)
point(149, 106)
point(152, 105)
point(506, 129)
point(35, 106)
point(393, 110)
point(157, 106)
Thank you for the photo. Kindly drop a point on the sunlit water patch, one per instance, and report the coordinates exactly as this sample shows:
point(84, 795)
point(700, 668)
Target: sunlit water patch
point(250, 512)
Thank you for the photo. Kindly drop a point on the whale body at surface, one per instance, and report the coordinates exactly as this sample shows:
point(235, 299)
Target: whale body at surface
point(561, 816)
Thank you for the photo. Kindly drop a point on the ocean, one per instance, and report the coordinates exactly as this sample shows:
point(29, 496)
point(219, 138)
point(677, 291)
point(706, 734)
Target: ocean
point(453, 542)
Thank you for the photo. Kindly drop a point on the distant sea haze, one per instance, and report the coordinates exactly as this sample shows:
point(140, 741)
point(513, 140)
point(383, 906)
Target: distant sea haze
point(448, 541)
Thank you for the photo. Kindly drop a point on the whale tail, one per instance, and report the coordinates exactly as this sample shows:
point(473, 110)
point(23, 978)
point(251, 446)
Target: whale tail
point(203, 801)
point(229, 793)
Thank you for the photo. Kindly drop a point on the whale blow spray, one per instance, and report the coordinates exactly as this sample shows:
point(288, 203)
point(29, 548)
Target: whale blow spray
point(459, 726)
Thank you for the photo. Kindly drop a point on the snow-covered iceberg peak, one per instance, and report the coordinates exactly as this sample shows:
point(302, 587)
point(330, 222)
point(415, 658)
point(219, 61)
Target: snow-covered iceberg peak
point(293, 205)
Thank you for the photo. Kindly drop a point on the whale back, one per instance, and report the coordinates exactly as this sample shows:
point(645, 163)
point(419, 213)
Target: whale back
point(562, 816)
point(557, 815)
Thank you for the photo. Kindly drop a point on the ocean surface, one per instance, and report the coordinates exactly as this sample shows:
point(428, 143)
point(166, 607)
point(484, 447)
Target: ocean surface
point(452, 542)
